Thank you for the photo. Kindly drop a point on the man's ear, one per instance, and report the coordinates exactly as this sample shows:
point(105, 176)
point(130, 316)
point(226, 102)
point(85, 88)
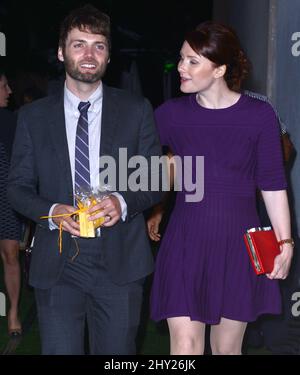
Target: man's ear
point(220, 71)
point(60, 54)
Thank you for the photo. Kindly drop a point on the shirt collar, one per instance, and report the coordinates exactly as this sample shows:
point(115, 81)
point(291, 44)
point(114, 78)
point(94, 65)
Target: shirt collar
point(72, 101)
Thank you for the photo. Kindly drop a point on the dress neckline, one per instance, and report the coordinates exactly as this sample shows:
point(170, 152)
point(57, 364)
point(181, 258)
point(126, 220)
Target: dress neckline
point(233, 107)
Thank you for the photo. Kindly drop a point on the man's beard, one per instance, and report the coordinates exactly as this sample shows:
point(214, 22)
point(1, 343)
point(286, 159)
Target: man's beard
point(87, 77)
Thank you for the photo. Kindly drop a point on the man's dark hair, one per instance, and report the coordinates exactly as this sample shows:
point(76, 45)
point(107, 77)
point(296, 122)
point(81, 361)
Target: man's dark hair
point(87, 18)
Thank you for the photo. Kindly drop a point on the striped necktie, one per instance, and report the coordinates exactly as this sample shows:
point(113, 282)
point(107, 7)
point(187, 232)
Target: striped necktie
point(82, 163)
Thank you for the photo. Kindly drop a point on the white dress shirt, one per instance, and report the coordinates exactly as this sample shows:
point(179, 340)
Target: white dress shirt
point(72, 114)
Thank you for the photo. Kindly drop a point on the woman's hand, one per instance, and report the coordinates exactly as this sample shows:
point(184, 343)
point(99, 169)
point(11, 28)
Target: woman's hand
point(278, 210)
point(153, 223)
point(282, 263)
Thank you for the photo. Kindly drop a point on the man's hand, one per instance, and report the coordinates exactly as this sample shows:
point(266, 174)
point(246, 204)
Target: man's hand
point(282, 263)
point(68, 223)
point(110, 208)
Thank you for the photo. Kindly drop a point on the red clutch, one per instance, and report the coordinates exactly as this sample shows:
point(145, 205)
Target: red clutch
point(263, 248)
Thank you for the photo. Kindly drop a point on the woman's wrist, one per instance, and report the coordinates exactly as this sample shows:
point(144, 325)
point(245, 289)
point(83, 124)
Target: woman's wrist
point(287, 242)
point(159, 209)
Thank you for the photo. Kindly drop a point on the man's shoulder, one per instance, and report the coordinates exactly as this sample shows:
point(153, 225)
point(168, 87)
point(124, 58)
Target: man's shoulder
point(123, 96)
point(256, 95)
point(40, 106)
point(258, 102)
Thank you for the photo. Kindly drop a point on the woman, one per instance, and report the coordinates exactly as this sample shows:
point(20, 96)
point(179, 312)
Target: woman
point(203, 272)
point(10, 226)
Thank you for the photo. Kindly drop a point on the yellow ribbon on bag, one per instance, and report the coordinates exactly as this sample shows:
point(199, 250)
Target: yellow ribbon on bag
point(87, 228)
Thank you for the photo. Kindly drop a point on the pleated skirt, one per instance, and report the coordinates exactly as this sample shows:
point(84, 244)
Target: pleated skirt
point(203, 270)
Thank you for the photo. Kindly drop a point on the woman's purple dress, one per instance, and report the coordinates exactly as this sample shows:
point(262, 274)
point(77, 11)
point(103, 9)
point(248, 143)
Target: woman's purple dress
point(203, 270)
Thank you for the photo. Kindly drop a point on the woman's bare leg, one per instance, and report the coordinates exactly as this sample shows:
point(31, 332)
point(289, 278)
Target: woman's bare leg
point(187, 336)
point(227, 337)
point(9, 250)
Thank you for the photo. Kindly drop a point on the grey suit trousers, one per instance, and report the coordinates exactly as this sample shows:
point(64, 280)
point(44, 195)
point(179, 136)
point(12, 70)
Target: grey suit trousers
point(85, 293)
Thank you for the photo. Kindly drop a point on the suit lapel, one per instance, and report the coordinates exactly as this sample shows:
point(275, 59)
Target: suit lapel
point(109, 121)
point(57, 128)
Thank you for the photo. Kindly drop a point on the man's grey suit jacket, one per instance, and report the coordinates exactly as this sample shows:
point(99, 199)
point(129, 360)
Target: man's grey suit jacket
point(40, 176)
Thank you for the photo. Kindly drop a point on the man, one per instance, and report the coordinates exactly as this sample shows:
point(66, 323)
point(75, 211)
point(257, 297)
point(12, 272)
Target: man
point(99, 278)
point(9, 222)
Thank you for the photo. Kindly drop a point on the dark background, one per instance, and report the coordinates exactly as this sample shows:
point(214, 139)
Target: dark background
point(149, 32)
